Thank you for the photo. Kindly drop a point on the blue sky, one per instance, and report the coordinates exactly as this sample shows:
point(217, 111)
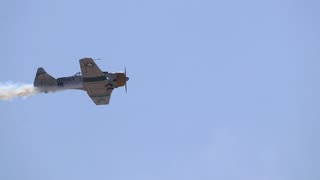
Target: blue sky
point(217, 90)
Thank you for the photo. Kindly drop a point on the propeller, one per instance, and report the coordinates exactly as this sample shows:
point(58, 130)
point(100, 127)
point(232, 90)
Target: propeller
point(126, 79)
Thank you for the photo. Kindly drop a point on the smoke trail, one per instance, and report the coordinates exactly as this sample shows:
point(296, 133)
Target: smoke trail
point(9, 90)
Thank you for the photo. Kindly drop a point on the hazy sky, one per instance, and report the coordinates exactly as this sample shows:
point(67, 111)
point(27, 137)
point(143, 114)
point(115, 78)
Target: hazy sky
point(218, 90)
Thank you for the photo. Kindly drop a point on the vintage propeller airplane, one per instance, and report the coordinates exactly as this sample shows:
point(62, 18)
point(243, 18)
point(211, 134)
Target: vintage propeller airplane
point(98, 84)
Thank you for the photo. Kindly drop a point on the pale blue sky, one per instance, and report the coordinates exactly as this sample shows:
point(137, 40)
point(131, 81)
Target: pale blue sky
point(218, 90)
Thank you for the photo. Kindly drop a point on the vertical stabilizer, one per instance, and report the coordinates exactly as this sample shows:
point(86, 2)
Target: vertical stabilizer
point(43, 79)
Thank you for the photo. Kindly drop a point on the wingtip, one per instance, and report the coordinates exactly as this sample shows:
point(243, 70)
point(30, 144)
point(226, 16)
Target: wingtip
point(85, 58)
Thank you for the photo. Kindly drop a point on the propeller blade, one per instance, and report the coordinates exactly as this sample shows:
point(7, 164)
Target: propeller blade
point(125, 84)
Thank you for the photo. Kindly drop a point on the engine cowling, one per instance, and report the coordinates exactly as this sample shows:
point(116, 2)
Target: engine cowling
point(121, 79)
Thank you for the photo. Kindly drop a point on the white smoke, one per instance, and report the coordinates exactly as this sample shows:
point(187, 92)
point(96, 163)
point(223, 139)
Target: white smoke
point(9, 91)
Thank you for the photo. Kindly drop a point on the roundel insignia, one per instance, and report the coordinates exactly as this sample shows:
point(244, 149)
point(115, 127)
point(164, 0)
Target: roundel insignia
point(90, 65)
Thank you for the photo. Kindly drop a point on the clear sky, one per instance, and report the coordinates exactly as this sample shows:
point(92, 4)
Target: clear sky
point(218, 90)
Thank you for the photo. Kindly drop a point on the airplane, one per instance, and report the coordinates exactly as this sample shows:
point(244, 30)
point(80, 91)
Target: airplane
point(98, 84)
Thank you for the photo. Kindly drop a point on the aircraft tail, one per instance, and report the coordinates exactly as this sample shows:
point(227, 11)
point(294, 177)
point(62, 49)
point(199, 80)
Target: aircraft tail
point(43, 79)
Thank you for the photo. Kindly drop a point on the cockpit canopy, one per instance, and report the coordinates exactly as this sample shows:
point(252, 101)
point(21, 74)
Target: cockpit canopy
point(78, 74)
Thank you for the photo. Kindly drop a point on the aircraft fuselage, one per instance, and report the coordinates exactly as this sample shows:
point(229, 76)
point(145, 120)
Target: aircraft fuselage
point(114, 80)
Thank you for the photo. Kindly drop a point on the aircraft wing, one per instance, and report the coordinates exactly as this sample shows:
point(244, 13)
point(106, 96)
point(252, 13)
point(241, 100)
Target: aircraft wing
point(95, 82)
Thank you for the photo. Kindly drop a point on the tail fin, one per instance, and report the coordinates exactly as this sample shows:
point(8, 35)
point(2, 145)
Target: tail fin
point(43, 79)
